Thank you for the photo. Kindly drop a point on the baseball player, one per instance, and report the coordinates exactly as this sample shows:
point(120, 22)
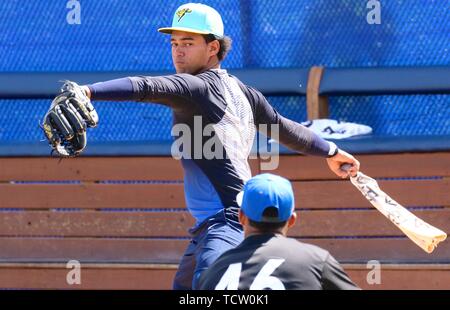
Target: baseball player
point(267, 259)
point(201, 95)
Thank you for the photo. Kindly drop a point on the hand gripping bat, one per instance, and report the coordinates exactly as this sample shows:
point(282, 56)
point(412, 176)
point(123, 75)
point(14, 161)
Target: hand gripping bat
point(421, 233)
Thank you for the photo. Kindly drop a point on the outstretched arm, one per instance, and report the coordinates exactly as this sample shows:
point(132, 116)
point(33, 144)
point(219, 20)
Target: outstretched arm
point(171, 90)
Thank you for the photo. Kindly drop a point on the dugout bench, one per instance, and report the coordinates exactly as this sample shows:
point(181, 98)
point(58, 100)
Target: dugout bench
point(123, 217)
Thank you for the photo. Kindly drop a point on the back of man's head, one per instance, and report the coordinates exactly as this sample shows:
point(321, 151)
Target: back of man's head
point(267, 201)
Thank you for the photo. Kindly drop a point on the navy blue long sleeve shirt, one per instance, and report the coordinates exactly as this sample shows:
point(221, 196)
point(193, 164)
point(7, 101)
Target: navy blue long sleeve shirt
point(217, 109)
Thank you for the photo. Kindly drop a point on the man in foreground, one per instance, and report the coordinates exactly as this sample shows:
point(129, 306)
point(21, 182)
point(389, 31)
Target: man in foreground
point(267, 259)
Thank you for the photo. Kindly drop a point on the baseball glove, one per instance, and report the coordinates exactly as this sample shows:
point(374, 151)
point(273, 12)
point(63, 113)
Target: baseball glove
point(65, 123)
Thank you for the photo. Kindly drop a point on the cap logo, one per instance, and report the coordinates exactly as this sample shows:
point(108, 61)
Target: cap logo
point(182, 13)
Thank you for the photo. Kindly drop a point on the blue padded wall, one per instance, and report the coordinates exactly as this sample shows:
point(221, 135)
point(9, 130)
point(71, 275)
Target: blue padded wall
point(113, 35)
point(121, 35)
point(131, 121)
point(118, 35)
point(119, 121)
point(335, 33)
point(396, 115)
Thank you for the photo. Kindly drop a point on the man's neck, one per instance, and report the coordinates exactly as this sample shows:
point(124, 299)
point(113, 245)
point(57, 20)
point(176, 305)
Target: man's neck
point(213, 63)
point(216, 66)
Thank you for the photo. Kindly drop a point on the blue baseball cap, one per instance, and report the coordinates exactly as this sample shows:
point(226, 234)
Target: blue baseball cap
point(263, 191)
point(196, 18)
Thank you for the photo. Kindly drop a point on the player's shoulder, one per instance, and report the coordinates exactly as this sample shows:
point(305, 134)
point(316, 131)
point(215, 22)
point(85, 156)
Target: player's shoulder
point(254, 95)
point(188, 81)
point(187, 77)
point(210, 79)
point(209, 76)
point(246, 87)
point(306, 249)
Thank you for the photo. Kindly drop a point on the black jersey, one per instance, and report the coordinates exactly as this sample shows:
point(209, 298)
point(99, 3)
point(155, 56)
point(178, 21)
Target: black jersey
point(272, 261)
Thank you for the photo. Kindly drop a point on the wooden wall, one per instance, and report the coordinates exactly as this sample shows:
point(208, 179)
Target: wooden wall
point(124, 219)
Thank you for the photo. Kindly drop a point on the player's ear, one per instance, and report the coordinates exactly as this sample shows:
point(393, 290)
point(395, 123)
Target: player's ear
point(292, 220)
point(214, 47)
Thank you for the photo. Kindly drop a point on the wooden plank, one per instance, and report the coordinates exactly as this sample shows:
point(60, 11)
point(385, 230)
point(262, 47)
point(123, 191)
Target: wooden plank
point(342, 194)
point(403, 277)
point(295, 167)
point(352, 223)
point(91, 196)
point(254, 166)
point(308, 194)
point(112, 250)
point(348, 250)
point(90, 168)
point(93, 168)
point(316, 106)
point(387, 250)
point(321, 223)
point(150, 277)
point(111, 277)
point(93, 224)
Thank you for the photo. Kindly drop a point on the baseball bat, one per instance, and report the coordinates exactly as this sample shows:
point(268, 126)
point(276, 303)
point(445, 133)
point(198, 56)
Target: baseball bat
point(421, 233)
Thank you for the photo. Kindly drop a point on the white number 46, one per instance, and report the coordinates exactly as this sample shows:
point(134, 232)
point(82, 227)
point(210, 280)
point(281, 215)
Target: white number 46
point(263, 280)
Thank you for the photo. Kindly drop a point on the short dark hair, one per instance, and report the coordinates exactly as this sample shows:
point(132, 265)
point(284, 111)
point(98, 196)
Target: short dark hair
point(225, 44)
point(267, 227)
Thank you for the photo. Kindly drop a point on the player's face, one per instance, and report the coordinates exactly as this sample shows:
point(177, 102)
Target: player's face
point(189, 52)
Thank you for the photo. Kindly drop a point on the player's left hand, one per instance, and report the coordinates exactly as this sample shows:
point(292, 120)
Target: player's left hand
point(65, 123)
point(341, 158)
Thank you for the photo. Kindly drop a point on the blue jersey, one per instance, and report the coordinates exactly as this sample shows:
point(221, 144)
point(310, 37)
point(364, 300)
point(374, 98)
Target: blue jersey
point(217, 109)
